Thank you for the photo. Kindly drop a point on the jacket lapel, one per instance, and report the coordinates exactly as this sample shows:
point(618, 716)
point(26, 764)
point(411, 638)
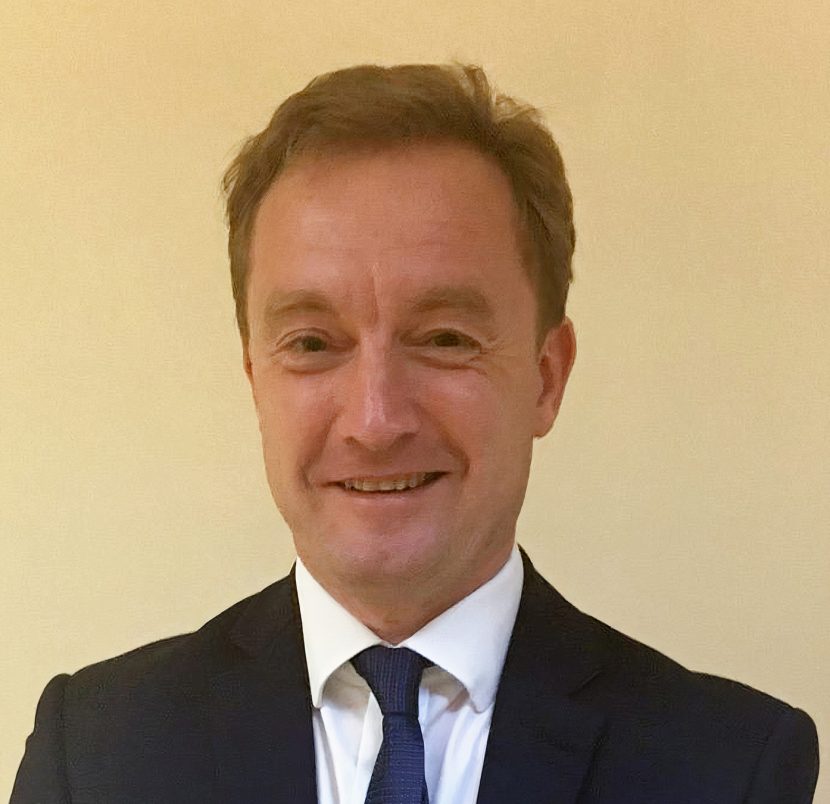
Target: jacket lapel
point(260, 706)
point(541, 744)
point(542, 741)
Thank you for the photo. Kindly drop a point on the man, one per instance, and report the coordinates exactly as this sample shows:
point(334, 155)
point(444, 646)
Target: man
point(400, 246)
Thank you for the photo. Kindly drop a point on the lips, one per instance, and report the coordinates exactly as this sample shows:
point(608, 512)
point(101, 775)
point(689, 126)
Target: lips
point(389, 483)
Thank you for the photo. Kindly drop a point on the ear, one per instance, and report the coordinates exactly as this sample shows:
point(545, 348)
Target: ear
point(248, 368)
point(556, 358)
point(246, 362)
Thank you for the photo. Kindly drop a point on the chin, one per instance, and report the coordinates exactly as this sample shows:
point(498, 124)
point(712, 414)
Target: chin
point(367, 559)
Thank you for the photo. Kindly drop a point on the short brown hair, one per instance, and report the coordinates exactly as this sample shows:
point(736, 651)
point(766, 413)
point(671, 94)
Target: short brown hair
point(373, 106)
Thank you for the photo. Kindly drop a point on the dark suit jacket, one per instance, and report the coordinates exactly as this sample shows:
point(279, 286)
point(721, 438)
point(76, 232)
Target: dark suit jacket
point(583, 714)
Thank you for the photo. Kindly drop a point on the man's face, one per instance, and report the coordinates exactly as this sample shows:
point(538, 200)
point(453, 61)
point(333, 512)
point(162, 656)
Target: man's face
point(394, 364)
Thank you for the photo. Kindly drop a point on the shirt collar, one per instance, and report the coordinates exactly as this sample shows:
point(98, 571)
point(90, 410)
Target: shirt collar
point(468, 640)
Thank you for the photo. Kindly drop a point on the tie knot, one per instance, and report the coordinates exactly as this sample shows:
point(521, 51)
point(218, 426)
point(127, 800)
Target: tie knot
point(394, 676)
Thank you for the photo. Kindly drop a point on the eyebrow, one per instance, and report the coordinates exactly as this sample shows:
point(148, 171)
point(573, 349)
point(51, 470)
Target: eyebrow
point(463, 298)
point(282, 305)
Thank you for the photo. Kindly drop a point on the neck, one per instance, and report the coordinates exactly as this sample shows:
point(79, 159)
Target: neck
point(395, 621)
point(395, 608)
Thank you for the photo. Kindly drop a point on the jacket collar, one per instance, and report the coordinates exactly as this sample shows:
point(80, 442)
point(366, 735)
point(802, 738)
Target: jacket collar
point(260, 706)
point(542, 740)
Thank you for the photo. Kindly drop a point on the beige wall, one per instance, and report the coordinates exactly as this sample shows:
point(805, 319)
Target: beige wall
point(683, 496)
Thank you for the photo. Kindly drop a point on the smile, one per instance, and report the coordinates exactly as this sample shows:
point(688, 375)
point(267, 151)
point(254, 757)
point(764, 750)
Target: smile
point(386, 484)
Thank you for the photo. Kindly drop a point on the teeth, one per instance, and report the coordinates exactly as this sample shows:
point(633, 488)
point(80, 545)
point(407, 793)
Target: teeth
point(388, 484)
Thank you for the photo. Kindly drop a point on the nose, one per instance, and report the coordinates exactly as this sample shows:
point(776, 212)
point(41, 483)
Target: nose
point(377, 409)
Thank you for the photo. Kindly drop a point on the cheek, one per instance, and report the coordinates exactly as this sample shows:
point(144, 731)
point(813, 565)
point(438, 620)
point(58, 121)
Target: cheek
point(493, 424)
point(470, 412)
point(292, 420)
point(483, 404)
point(468, 401)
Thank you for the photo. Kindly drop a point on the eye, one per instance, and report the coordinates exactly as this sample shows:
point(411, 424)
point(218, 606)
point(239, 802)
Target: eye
point(450, 339)
point(307, 351)
point(305, 344)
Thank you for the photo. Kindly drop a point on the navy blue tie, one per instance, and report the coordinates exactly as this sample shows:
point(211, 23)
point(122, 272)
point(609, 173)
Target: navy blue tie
point(394, 676)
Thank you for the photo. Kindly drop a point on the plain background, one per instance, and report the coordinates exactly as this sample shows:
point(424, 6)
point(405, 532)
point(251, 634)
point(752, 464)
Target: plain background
point(683, 495)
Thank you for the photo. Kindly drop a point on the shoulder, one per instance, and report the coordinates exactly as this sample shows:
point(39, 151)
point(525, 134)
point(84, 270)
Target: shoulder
point(637, 675)
point(663, 720)
point(144, 717)
point(640, 677)
point(632, 672)
point(714, 733)
point(176, 666)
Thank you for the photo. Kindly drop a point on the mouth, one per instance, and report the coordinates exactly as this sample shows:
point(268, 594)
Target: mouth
point(390, 484)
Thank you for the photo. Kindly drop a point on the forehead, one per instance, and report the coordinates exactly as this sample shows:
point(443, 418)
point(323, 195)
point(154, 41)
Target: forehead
point(403, 216)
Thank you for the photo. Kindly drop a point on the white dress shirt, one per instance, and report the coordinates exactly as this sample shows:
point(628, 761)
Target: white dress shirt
point(467, 644)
